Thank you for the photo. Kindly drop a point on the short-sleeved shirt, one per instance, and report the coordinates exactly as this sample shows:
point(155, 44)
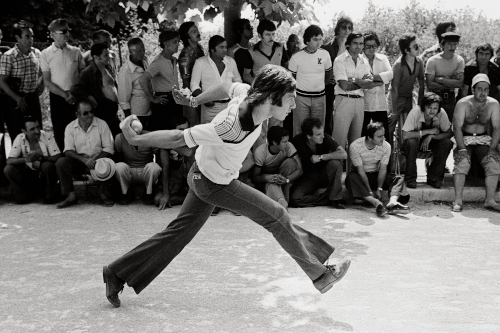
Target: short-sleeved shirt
point(344, 68)
point(90, 83)
point(329, 145)
point(134, 157)
point(24, 68)
point(21, 145)
point(493, 74)
point(164, 74)
point(259, 59)
point(242, 56)
point(416, 121)
point(91, 143)
point(130, 94)
point(269, 162)
point(441, 67)
point(310, 69)
point(370, 159)
point(375, 99)
point(404, 76)
point(64, 65)
point(205, 73)
point(224, 143)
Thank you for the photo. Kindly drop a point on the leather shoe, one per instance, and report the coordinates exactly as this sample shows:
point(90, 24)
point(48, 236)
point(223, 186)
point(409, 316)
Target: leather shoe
point(106, 201)
point(434, 183)
point(338, 204)
point(412, 184)
point(114, 285)
point(332, 275)
point(67, 203)
point(381, 210)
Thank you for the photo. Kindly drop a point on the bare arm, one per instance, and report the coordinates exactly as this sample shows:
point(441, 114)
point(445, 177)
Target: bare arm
point(166, 139)
point(495, 124)
point(297, 173)
point(364, 178)
point(465, 90)
point(458, 122)
point(247, 75)
point(432, 84)
point(214, 93)
point(338, 154)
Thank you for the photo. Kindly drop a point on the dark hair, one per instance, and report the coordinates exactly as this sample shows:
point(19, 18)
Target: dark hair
point(352, 36)
point(214, 42)
point(312, 31)
point(441, 29)
point(265, 25)
point(371, 35)
point(167, 35)
point(405, 40)
point(238, 27)
point(97, 48)
point(290, 39)
point(183, 32)
point(100, 33)
point(428, 99)
point(275, 134)
point(82, 101)
point(343, 20)
point(371, 128)
point(17, 28)
point(28, 119)
point(56, 24)
point(181, 120)
point(485, 47)
point(498, 50)
point(271, 82)
point(134, 41)
point(308, 124)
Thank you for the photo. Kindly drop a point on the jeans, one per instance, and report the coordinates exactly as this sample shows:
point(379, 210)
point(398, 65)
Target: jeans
point(307, 107)
point(140, 266)
point(435, 172)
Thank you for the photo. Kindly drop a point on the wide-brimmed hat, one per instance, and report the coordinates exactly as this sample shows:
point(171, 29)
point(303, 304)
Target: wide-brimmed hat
point(104, 169)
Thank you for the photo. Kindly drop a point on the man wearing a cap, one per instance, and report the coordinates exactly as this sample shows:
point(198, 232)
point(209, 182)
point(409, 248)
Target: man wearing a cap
point(482, 64)
point(86, 140)
point(61, 65)
point(441, 28)
point(444, 72)
point(474, 116)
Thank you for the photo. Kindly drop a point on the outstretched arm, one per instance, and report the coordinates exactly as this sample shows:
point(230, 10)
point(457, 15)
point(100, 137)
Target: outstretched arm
point(214, 93)
point(166, 139)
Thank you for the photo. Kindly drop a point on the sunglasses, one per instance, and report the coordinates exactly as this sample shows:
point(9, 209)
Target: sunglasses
point(347, 27)
point(367, 47)
point(86, 113)
point(63, 31)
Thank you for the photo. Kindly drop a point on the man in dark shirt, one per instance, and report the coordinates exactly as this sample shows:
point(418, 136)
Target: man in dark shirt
point(482, 64)
point(321, 159)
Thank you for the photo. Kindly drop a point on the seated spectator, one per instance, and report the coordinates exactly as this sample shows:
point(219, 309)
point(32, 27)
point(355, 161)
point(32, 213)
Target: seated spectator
point(31, 166)
point(136, 166)
point(477, 130)
point(482, 64)
point(86, 140)
point(427, 128)
point(368, 176)
point(497, 58)
point(322, 160)
point(277, 166)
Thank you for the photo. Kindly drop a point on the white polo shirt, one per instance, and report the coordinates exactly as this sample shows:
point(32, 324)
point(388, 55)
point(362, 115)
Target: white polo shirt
point(63, 64)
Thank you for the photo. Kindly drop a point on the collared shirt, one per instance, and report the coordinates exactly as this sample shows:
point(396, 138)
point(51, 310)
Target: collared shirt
point(21, 145)
point(404, 76)
point(130, 94)
point(26, 68)
point(205, 73)
point(493, 74)
point(63, 64)
point(88, 143)
point(416, 121)
point(344, 68)
point(430, 52)
point(310, 69)
point(370, 159)
point(225, 142)
point(90, 83)
point(164, 74)
point(334, 49)
point(259, 59)
point(375, 99)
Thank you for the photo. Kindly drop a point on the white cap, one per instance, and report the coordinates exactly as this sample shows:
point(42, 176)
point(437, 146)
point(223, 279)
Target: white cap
point(480, 78)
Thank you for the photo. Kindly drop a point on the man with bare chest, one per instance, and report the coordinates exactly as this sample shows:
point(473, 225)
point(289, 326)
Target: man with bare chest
point(476, 126)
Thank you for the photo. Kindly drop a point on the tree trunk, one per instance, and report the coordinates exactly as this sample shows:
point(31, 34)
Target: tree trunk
point(232, 12)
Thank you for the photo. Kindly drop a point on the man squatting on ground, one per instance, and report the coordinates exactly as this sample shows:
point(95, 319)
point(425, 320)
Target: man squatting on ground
point(213, 182)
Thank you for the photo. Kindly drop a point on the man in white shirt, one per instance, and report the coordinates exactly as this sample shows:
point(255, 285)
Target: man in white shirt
point(211, 70)
point(223, 144)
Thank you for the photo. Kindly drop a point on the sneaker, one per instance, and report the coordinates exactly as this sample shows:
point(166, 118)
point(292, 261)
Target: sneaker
point(398, 209)
point(381, 210)
point(332, 275)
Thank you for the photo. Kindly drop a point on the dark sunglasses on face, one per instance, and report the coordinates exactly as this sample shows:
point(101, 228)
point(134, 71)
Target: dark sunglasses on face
point(86, 113)
point(347, 27)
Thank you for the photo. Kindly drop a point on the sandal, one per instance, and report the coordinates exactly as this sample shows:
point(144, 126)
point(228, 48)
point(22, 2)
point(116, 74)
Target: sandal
point(457, 208)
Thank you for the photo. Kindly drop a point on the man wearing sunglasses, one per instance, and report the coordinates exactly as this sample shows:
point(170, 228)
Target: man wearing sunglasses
point(61, 65)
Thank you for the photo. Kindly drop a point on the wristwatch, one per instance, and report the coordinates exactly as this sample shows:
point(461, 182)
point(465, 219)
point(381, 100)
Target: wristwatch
point(320, 157)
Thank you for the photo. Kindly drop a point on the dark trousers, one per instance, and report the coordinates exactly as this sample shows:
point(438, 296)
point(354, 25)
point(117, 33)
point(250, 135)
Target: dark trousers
point(106, 110)
point(329, 99)
point(26, 184)
point(165, 116)
point(435, 172)
point(14, 117)
point(4, 100)
point(68, 167)
point(376, 116)
point(448, 103)
point(139, 267)
point(303, 191)
point(395, 185)
point(61, 113)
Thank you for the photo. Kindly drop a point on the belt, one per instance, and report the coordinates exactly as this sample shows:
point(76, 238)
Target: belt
point(222, 101)
point(166, 93)
point(350, 96)
point(472, 134)
point(445, 93)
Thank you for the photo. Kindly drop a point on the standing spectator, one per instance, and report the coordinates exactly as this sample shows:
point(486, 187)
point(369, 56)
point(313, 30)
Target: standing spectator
point(277, 166)
point(131, 96)
point(243, 31)
point(311, 67)
point(407, 69)
point(353, 75)
point(4, 102)
point(158, 81)
point(61, 65)
point(368, 177)
point(337, 46)
point(444, 72)
point(31, 164)
point(482, 64)
point(21, 80)
point(497, 58)
point(97, 84)
point(322, 161)
point(103, 37)
point(441, 28)
point(211, 70)
point(292, 45)
point(375, 100)
point(86, 140)
point(427, 128)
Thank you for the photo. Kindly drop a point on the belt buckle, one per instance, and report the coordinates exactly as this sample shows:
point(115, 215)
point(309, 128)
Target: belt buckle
point(445, 95)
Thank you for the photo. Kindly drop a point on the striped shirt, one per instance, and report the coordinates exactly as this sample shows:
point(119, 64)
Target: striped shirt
point(225, 142)
point(370, 159)
point(309, 69)
point(15, 64)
